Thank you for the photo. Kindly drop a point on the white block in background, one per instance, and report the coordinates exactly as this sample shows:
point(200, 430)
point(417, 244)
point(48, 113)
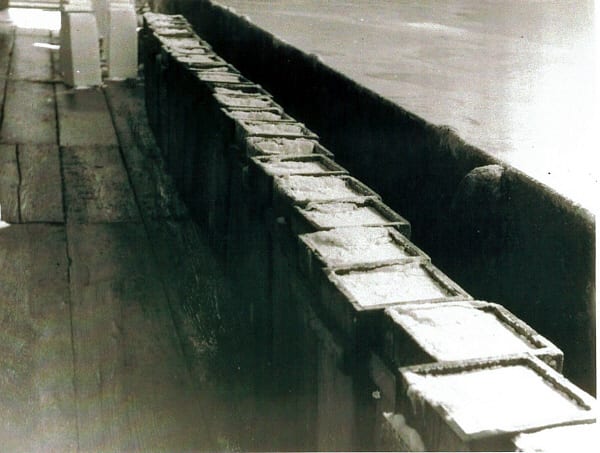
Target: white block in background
point(79, 54)
point(73, 6)
point(122, 45)
point(101, 10)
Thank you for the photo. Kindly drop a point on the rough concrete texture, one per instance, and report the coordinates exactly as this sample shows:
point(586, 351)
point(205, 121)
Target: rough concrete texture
point(533, 252)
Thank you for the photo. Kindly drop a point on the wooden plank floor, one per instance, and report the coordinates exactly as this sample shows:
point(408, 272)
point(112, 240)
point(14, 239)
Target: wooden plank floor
point(31, 60)
point(9, 184)
point(37, 396)
point(91, 352)
point(40, 189)
point(83, 118)
point(96, 185)
point(7, 39)
point(29, 113)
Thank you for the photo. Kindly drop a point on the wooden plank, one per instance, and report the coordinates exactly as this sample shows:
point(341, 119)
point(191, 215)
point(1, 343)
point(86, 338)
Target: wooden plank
point(212, 327)
point(154, 189)
point(194, 283)
point(41, 185)
point(37, 401)
point(55, 58)
point(31, 58)
point(83, 118)
point(134, 390)
point(9, 184)
point(7, 39)
point(29, 114)
point(96, 185)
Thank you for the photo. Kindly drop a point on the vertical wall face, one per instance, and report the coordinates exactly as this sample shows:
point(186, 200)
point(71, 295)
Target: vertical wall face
point(501, 235)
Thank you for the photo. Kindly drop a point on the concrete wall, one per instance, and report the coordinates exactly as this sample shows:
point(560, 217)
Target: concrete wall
point(340, 317)
point(517, 242)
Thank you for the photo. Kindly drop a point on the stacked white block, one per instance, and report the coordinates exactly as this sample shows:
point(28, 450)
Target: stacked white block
point(101, 11)
point(122, 44)
point(79, 53)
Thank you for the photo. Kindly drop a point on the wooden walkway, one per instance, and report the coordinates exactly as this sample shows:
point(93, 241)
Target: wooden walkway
point(96, 252)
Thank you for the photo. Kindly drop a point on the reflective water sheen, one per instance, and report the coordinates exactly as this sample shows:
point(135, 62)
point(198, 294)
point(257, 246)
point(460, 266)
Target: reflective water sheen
point(516, 78)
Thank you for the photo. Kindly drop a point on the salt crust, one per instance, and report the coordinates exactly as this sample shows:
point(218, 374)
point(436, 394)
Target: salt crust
point(316, 188)
point(493, 400)
point(286, 167)
point(220, 69)
point(331, 215)
point(260, 115)
point(357, 245)
point(575, 438)
point(274, 128)
point(285, 146)
point(170, 32)
point(243, 101)
point(194, 59)
point(188, 55)
point(180, 43)
point(163, 20)
point(231, 91)
point(220, 77)
point(391, 284)
point(459, 331)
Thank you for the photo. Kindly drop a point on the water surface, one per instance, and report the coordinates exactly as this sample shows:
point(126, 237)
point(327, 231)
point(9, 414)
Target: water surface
point(514, 78)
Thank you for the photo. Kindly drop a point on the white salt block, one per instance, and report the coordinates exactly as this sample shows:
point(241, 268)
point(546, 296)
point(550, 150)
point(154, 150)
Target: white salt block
point(122, 45)
point(79, 54)
point(101, 11)
point(81, 6)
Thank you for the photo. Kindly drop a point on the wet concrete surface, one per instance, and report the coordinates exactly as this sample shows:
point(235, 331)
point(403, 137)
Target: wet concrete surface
point(516, 79)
